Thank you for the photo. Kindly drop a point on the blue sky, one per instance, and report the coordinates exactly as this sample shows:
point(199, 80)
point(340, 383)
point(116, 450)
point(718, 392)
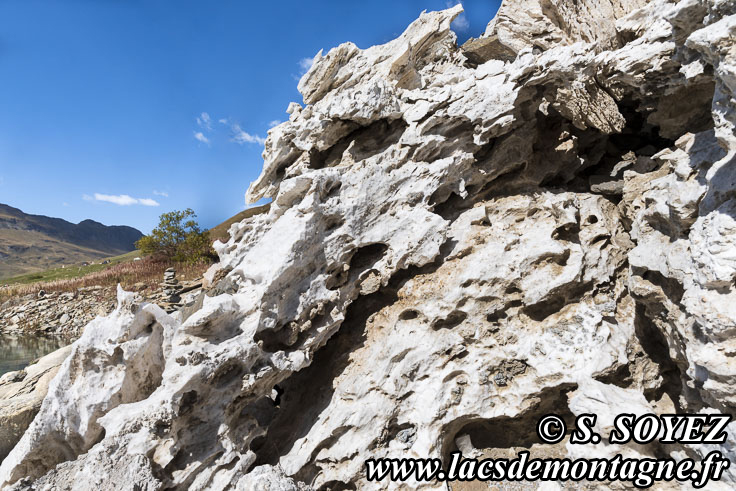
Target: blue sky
point(120, 110)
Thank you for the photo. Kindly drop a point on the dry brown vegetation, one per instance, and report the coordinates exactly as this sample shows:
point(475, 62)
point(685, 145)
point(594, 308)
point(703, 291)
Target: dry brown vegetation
point(139, 275)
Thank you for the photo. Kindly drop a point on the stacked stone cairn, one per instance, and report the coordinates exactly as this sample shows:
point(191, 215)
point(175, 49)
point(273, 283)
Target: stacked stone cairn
point(172, 291)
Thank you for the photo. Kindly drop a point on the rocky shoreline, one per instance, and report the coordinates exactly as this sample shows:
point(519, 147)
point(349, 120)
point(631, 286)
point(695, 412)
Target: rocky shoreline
point(56, 313)
point(66, 314)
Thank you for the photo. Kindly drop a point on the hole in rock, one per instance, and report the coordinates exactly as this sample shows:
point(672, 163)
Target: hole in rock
point(620, 377)
point(100, 436)
point(601, 241)
point(540, 311)
point(365, 258)
point(262, 411)
point(514, 304)
point(117, 356)
point(187, 401)
point(198, 448)
point(161, 428)
point(485, 151)
point(337, 279)
point(307, 393)
point(405, 433)
point(496, 435)
point(452, 320)
point(333, 222)
point(551, 258)
point(361, 143)
point(332, 191)
point(554, 181)
point(281, 170)
point(670, 286)
point(556, 301)
point(567, 233)
point(637, 134)
point(587, 157)
point(337, 486)
point(450, 207)
point(508, 182)
point(496, 316)
point(230, 372)
point(278, 393)
point(451, 129)
point(655, 345)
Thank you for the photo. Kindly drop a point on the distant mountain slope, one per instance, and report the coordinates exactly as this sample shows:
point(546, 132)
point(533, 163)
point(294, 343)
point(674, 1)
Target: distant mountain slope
point(30, 243)
point(220, 232)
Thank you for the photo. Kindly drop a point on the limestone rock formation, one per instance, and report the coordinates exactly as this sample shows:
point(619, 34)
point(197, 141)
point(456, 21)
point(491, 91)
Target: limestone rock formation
point(21, 395)
point(460, 240)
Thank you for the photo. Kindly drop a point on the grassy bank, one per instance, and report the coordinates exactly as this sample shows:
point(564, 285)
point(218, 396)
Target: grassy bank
point(145, 273)
point(131, 270)
point(69, 272)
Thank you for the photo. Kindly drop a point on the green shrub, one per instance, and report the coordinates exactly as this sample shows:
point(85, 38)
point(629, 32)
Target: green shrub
point(178, 238)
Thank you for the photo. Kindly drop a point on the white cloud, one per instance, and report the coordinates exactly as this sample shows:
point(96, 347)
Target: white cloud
point(160, 193)
point(460, 23)
point(121, 200)
point(204, 121)
point(240, 136)
point(147, 202)
point(65, 203)
point(273, 123)
point(198, 135)
point(305, 64)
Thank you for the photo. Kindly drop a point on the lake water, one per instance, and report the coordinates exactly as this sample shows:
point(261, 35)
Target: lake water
point(18, 350)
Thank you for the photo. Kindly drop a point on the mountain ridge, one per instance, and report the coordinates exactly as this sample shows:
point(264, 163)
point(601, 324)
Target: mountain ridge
point(30, 243)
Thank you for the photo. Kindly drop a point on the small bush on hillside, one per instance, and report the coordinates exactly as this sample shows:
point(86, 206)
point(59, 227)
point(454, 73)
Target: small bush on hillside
point(178, 238)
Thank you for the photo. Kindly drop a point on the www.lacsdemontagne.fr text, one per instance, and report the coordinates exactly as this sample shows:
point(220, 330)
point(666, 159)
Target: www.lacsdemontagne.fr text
point(642, 473)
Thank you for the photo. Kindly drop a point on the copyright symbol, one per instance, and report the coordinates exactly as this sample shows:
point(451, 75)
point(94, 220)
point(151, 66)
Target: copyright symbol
point(551, 429)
